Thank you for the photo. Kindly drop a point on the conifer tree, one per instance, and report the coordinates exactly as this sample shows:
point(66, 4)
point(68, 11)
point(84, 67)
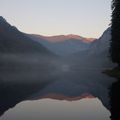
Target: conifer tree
point(115, 32)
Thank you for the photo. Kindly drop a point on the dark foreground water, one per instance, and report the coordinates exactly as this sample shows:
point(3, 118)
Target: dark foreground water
point(53, 90)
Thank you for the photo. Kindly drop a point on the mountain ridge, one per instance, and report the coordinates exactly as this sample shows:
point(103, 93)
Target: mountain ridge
point(14, 41)
point(64, 47)
point(58, 38)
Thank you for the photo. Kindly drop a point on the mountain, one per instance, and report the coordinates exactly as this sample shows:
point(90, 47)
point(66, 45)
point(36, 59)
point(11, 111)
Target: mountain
point(63, 44)
point(14, 41)
point(101, 45)
point(99, 50)
point(59, 38)
point(97, 55)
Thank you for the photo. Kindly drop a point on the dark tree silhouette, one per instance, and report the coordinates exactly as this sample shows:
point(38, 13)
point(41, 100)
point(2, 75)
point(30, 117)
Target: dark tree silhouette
point(115, 100)
point(115, 41)
point(115, 56)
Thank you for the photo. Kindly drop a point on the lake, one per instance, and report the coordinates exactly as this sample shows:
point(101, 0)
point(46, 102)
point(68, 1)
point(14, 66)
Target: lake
point(61, 91)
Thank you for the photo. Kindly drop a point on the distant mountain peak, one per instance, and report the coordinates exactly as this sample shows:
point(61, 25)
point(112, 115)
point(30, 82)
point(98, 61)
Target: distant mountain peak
point(80, 37)
point(60, 38)
point(73, 36)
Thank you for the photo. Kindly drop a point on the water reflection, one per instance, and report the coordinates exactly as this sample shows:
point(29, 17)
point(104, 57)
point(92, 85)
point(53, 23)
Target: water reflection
point(48, 109)
point(12, 93)
point(35, 78)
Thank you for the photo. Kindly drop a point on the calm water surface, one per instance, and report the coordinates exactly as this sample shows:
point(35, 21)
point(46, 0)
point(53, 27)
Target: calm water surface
point(55, 91)
point(49, 109)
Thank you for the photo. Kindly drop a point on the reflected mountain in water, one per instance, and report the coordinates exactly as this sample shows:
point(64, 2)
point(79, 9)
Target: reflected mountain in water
point(59, 80)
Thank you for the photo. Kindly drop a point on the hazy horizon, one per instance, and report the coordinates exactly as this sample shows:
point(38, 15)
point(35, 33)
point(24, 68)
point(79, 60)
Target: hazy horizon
point(80, 17)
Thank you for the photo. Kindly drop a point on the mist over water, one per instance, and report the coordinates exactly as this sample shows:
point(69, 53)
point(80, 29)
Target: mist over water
point(33, 77)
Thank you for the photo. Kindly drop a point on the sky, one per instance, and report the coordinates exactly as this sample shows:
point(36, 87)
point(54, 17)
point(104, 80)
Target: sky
point(88, 18)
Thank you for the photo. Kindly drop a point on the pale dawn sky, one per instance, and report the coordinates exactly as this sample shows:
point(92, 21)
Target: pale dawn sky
point(88, 18)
